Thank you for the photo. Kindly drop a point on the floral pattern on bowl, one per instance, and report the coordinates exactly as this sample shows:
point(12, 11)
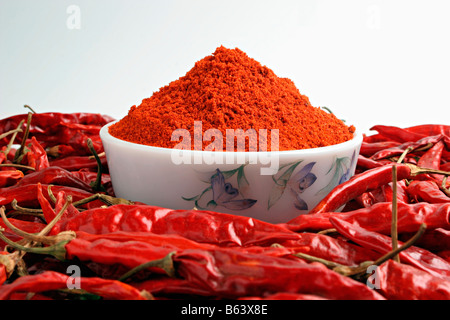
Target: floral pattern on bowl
point(342, 172)
point(296, 184)
point(223, 193)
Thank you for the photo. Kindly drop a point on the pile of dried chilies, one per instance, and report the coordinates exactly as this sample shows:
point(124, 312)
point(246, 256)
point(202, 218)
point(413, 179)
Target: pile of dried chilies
point(59, 215)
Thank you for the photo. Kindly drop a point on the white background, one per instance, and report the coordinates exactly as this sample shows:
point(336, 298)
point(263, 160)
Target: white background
point(370, 61)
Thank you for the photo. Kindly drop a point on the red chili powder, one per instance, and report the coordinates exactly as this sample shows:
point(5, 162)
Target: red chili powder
point(229, 90)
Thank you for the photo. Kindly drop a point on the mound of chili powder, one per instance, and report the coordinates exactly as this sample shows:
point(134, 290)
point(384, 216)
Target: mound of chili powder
point(229, 90)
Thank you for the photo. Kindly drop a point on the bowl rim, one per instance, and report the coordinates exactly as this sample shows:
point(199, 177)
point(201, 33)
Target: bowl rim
point(353, 143)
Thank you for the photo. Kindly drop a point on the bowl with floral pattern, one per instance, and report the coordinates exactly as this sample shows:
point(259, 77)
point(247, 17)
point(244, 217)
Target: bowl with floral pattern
point(270, 186)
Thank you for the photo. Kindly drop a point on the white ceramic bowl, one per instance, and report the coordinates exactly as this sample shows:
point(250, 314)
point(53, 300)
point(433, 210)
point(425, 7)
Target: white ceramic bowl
point(243, 184)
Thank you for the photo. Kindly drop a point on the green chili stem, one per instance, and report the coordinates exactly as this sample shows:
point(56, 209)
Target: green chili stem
point(58, 251)
point(97, 185)
point(49, 240)
point(19, 152)
point(402, 157)
point(11, 142)
point(34, 212)
point(327, 263)
point(417, 170)
point(28, 107)
point(165, 263)
point(15, 165)
point(4, 135)
point(327, 231)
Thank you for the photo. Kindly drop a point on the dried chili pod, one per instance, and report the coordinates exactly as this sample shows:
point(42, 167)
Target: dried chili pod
point(229, 274)
point(415, 256)
point(411, 146)
point(398, 281)
point(223, 229)
point(10, 177)
point(426, 191)
point(51, 280)
point(55, 176)
point(401, 135)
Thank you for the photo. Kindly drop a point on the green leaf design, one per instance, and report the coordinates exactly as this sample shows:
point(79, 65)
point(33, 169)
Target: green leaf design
point(281, 183)
point(197, 197)
point(241, 179)
point(340, 165)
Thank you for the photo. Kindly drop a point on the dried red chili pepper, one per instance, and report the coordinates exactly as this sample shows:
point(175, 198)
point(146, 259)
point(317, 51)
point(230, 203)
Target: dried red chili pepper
point(10, 177)
point(51, 280)
point(367, 163)
point(384, 194)
point(37, 156)
point(378, 218)
point(329, 248)
point(26, 195)
point(426, 191)
point(368, 149)
point(74, 163)
point(398, 134)
point(403, 282)
point(430, 129)
point(223, 229)
point(415, 256)
point(432, 158)
point(227, 273)
point(396, 151)
point(55, 176)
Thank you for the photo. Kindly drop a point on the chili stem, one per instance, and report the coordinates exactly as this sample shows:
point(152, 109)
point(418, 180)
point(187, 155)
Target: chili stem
point(327, 231)
point(50, 194)
point(33, 212)
point(18, 155)
point(49, 240)
point(97, 184)
point(417, 170)
point(53, 250)
point(4, 135)
point(15, 165)
point(30, 108)
point(99, 155)
point(394, 229)
point(110, 201)
point(165, 263)
point(11, 142)
point(402, 157)
point(327, 263)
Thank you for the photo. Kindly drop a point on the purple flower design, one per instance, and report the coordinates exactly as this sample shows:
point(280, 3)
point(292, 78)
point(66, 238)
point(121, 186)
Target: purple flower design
point(224, 194)
point(301, 181)
point(347, 173)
